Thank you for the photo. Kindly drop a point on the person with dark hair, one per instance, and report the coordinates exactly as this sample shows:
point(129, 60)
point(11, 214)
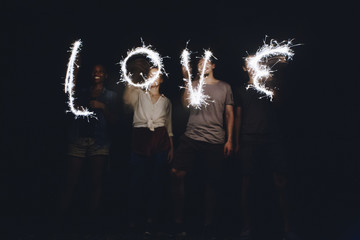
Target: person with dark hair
point(259, 145)
point(152, 150)
point(89, 139)
point(203, 147)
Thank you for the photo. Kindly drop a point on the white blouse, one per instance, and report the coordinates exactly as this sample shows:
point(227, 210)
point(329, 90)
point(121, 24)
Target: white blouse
point(151, 115)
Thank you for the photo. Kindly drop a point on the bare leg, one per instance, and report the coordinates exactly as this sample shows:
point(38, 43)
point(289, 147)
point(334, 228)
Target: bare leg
point(210, 202)
point(97, 169)
point(74, 166)
point(178, 194)
point(281, 184)
point(245, 201)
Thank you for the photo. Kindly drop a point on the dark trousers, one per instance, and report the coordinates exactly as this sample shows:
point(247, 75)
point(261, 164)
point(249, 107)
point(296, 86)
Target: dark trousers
point(147, 185)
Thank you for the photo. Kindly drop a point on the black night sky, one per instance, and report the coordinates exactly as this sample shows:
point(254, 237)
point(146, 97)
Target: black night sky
point(319, 97)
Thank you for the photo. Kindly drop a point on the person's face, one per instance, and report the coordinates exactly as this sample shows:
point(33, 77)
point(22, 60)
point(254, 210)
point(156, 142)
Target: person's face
point(99, 74)
point(244, 68)
point(247, 69)
point(208, 66)
point(152, 73)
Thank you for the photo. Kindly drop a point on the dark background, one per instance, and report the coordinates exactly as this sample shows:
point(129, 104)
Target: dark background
point(319, 95)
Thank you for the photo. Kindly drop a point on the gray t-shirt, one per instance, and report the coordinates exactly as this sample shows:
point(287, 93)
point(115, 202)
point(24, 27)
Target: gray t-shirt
point(207, 124)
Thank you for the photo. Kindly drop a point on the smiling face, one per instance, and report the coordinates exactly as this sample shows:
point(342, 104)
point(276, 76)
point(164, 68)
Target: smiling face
point(99, 74)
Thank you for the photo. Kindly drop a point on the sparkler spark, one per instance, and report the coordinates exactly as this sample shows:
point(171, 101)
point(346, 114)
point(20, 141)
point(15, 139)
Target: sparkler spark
point(155, 59)
point(70, 85)
point(261, 72)
point(196, 98)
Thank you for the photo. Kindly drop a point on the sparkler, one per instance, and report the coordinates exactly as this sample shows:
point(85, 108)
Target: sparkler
point(70, 85)
point(196, 98)
point(261, 72)
point(155, 59)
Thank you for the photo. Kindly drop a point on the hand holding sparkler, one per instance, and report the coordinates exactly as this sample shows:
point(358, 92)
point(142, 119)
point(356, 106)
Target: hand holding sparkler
point(186, 72)
point(155, 59)
point(194, 96)
point(97, 104)
point(186, 94)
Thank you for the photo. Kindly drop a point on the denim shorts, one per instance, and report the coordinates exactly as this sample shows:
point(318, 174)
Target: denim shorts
point(86, 147)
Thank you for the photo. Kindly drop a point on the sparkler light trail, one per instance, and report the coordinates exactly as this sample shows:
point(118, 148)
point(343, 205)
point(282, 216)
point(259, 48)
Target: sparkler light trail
point(70, 85)
point(261, 72)
point(196, 98)
point(155, 59)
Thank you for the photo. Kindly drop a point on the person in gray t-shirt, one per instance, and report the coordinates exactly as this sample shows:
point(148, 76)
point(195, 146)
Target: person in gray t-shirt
point(206, 124)
point(203, 144)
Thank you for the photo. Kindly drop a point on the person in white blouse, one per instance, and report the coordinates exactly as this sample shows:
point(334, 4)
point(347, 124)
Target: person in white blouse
point(152, 150)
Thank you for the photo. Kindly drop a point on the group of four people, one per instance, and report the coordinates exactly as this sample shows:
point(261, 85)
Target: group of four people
point(207, 140)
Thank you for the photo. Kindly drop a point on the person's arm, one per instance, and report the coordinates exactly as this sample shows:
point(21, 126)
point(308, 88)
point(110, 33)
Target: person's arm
point(111, 111)
point(168, 125)
point(185, 97)
point(229, 117)
point(131, 95)
point(108, 110)
point(171, 151)
point(237, 128)
point(185, 94)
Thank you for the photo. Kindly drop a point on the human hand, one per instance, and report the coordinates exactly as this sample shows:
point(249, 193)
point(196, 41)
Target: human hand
point(228, 149)
point(97, 104)
point(185, 72)
point(170, 155)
